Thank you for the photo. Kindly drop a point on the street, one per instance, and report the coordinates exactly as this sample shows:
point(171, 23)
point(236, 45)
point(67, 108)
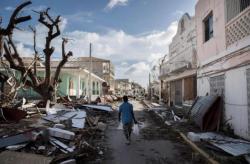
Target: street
point(155, 144)
point(66, 67)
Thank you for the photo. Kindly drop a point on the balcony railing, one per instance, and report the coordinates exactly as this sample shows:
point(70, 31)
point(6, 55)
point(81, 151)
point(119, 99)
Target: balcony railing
point(238, 27)
point(176, 66)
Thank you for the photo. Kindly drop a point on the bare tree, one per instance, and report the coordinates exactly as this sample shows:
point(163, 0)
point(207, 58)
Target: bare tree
point(46, 86)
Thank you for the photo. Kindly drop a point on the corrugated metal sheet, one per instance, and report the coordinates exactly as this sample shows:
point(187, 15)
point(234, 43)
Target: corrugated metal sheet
point(235, 147)
point(206, 112)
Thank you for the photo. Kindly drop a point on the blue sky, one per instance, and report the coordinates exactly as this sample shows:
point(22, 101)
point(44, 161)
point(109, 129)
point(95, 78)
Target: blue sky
point(132, 33)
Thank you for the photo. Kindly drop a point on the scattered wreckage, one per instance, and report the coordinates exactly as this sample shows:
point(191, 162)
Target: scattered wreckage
point(53, 133)
point(202, 124)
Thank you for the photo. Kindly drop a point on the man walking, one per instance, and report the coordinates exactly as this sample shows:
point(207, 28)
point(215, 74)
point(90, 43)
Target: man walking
point(127, 114)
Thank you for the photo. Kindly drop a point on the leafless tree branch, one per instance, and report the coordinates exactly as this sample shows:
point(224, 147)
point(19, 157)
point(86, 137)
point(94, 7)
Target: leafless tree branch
point(65, 58)
point(34, 47)
point(29, 73)
point(14, 20)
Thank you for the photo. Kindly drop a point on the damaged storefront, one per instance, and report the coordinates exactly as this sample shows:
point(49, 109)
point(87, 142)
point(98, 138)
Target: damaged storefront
point(183, 91)
point(178, 71)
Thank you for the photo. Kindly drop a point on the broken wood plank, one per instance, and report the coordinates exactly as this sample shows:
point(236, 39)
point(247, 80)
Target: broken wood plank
point(89, 122)
point(200, 151)
point(96, 120)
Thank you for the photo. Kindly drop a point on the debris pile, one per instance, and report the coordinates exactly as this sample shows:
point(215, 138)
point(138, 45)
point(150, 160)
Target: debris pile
point(169, 115)
point(232, 146)
point(203, 127)
point(64, 132)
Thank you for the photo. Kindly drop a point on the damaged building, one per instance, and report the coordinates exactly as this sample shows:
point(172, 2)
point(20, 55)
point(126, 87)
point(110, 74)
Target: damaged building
point(223, 42)
point(74, 81)
point(100, 67)
point(178, 72)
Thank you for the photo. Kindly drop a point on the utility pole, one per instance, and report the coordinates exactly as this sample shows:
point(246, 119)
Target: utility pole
point(160, 86)
point(149, 88)
point(160, 91)
point(90, 72)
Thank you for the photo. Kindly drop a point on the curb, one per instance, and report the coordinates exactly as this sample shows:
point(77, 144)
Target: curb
point(197, 149)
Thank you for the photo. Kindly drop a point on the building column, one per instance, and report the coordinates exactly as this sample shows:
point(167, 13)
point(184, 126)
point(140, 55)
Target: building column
point(78, 93)
point(183, 90)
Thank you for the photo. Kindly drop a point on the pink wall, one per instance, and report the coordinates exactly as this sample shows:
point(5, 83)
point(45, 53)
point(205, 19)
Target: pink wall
point(216, 44)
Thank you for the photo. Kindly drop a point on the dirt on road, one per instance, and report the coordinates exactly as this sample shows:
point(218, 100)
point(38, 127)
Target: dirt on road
point(156, 143)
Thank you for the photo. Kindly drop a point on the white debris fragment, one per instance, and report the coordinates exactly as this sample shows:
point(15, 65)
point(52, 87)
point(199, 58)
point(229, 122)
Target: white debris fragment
point(193, 137)
point(16, 147)
point(60, 126)
point(63, 147)
point(60, 133)
point(70, 161)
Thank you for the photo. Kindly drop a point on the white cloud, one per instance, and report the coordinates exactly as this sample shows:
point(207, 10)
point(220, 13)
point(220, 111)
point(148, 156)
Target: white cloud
point(80, 17)
point(114, 3)
point(36, 8)
point(25, 52)
point(133, 55)
point(9, 8)
point(137, 69)
point(124, 63)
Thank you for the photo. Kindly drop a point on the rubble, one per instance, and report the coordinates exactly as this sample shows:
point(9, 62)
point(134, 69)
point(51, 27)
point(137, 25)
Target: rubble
point(100, 107)
point(10, 114)
point(64, 148)
point(235, 147)
point(70, 161)
point(16, 139)
point(203, 115)
point(16, 147)
point(62, 132)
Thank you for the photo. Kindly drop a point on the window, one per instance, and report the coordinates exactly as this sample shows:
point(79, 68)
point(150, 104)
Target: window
point(97, 88)
point(93, 88)
point(234, 7)
point(83, 88)
point(105, 67)
point(208, 27)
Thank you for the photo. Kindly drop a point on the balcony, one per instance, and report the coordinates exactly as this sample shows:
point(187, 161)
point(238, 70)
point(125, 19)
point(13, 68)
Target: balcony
point(238, 26)
point(165, 69)
point(178, 65)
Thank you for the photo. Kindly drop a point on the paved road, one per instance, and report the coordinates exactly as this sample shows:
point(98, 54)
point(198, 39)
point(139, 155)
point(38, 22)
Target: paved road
point(156, 143)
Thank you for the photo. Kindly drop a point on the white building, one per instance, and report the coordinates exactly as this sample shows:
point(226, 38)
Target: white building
point(178, 73)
